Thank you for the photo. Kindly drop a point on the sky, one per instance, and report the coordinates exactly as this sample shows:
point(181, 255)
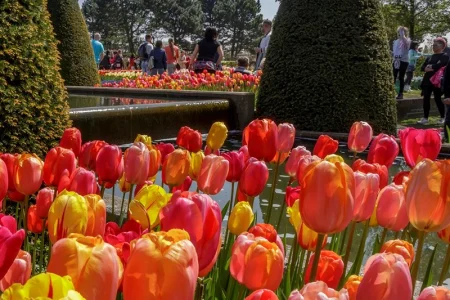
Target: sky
point(268, 8)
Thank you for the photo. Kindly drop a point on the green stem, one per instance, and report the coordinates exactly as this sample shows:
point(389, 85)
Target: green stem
point(4, 206)
point(121, 209)
point(42, 250)
point(102, 190)
point(231, 200)
point(298, 267)
point(362, 245)
point(404, 233)
point(308, 256)
point(348, 250)
point(130, 197)
point(294, 250)
point(342, 241)
point(383, 236)
point(199, 289)
point(230, 288)
point(33, 270)
point(272, 193)
point(113, 206)
point(19, 217)
point(355, 156)
point(396, 235)
point(282, 213)
point(320, 238)
point(25, 225)
point(445, 266)
point(416, 265)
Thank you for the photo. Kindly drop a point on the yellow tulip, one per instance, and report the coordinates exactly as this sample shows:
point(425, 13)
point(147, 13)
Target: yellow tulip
point(217, 135)
point(43, 286)
point(196, 164)
point(96, 215)
point(147, 204)
point(68, 214)
point(334, 158)
point(241, 218)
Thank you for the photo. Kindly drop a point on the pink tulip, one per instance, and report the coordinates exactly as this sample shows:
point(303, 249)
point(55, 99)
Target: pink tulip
point(435, 293)
point(254, 178)
point(10, 242)
point(10, 160)
point(359, 137)
point(44, 200)
point(19, 272)
point(318, 290)
point(165, 149)
point(383, 150)
point(286, 137)
point(418, 144)
point(82, 182)
point(366, 192)
point(3, 180)
point(386, 276)
point(244, 151)
point(391, 208)
point(136, 163)
point(200, 216)
point(262, 294)
point(294, 159)
point(236, 161)
point(212, 175)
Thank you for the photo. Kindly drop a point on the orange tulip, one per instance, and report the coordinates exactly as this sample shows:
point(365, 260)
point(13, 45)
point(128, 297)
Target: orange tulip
point(109, 165)
point(93, 265)
point(212, 174)
point(352, 286)
point(256, 262)
point(318, 290)
point(268, 232)
point(124, 185)
point(364, 167)
point(366, 192)
point(44, 200)
point(261, 138)
point(71, 139)
point(326, 196)
point(294, 160)
point(88, 154)
point(359, 137)
point(435, 293)
point(176, 167)
point(391, 210)
point(96, 215)
point(19, 272)
point(427, 196)
point(386, 276)
point(34, 223)
point(330, 269)
point(154, 163)
point(262, 294)
point(28, 173)
point(306, 238)
point(303, 163)
point(254, 178)
point(383, 150)
point(162, 265)
point(325, 146)
point(136, 163)
point(399, 247)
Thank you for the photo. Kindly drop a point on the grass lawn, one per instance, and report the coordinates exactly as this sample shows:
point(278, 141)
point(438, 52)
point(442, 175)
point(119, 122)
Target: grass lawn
point(412, 94)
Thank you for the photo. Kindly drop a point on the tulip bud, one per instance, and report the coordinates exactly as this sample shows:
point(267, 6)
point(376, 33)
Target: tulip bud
point(155, 162)
point(367, 187)
point(241, 218)
point(176, 167)
point(329, 270)
point(237, 163)
point(292, 194)
point(294, 159)
point(324, 146)
point(196, 164)
point(34, 223)
point(286, 137)
point(58, 161)
point(109, 165)
point(212, 175)
point(44, 200)
point(71, 139)
point(144, 139)
point(189, 139)
point(383, 150)
point(359, 137)
point(28, 173)
point(136, 163)
point(88, 154)
point(261, 138)
point(165, 149)
point(391, 212)
point(254, 178)
point(217, 135)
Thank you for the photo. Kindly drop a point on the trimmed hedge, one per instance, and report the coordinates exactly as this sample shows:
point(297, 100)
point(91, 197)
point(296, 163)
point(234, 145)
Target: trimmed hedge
point(78, 66)
point(33, 107)
point(329, 65)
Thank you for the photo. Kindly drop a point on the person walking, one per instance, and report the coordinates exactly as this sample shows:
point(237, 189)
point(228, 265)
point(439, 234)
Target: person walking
point(264, 44)
point(206, 49)
point(413, 56)
point(173, 54)
point(401, 58)
point(144, 54)
point(432, 65)
point(158, 55)
point(97, 46)
point(105, 64)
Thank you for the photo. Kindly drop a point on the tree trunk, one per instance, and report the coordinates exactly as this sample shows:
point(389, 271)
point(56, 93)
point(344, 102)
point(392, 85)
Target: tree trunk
point(412, 18)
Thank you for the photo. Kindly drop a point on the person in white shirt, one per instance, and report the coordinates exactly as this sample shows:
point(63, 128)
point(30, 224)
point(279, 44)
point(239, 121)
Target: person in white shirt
point(401, 58)
point(264, 44)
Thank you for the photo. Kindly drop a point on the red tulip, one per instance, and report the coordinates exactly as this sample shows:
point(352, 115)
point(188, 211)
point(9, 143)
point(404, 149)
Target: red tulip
point(325, 145)
point(3, 180)
point(212, 175)
point(58, 161)
point(19, 272)
point(401, 177)
point(200, 216)
point(386, 276)
point(330, 269)
point(184, 187)
point(268, 232)
point(236, 161)
point(44, 200)
point(383, 150)
point(28, 174)
point(391, 208)
point(364, 167)
point(292, 194)
point(262, 294)
point(136, 163)
point(88, 154)
point(165, 149)
point(366, 191)
point(10, 160)
point(303, 163)
point(286, 137)
point(34, 223)
point(254, 178)
point(82, 182)
point(418, 144)
point(71, 139)
point(261, 138)
point(359, 137)
point(294, 159)
point(10, 242)
point(189, 139)
point(109, 165)
point(244, 151)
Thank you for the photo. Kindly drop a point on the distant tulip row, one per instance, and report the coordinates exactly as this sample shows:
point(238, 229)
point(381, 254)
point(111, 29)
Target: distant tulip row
point(168, 242)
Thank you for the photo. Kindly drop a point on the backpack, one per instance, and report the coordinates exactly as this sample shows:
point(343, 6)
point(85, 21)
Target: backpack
point(142, 51)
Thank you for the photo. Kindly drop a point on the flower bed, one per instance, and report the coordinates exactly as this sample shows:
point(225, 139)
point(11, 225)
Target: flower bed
point(185, 80)
point(167, 242)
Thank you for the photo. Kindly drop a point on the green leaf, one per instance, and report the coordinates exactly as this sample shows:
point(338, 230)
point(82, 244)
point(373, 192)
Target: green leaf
point(225, 209)
point(428, 275)
point(448, 133)
point(376, 246)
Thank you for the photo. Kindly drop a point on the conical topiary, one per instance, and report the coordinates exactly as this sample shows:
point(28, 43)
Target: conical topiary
point(33, 107)
point(78, 66)
point(329, 65)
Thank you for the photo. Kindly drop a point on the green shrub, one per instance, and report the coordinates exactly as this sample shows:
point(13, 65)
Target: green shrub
point(78, 66)
point(33, 106)
point(329, 65)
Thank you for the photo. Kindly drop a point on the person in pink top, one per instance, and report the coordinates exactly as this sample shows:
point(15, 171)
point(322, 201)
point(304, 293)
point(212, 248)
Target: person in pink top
point(173, 54)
